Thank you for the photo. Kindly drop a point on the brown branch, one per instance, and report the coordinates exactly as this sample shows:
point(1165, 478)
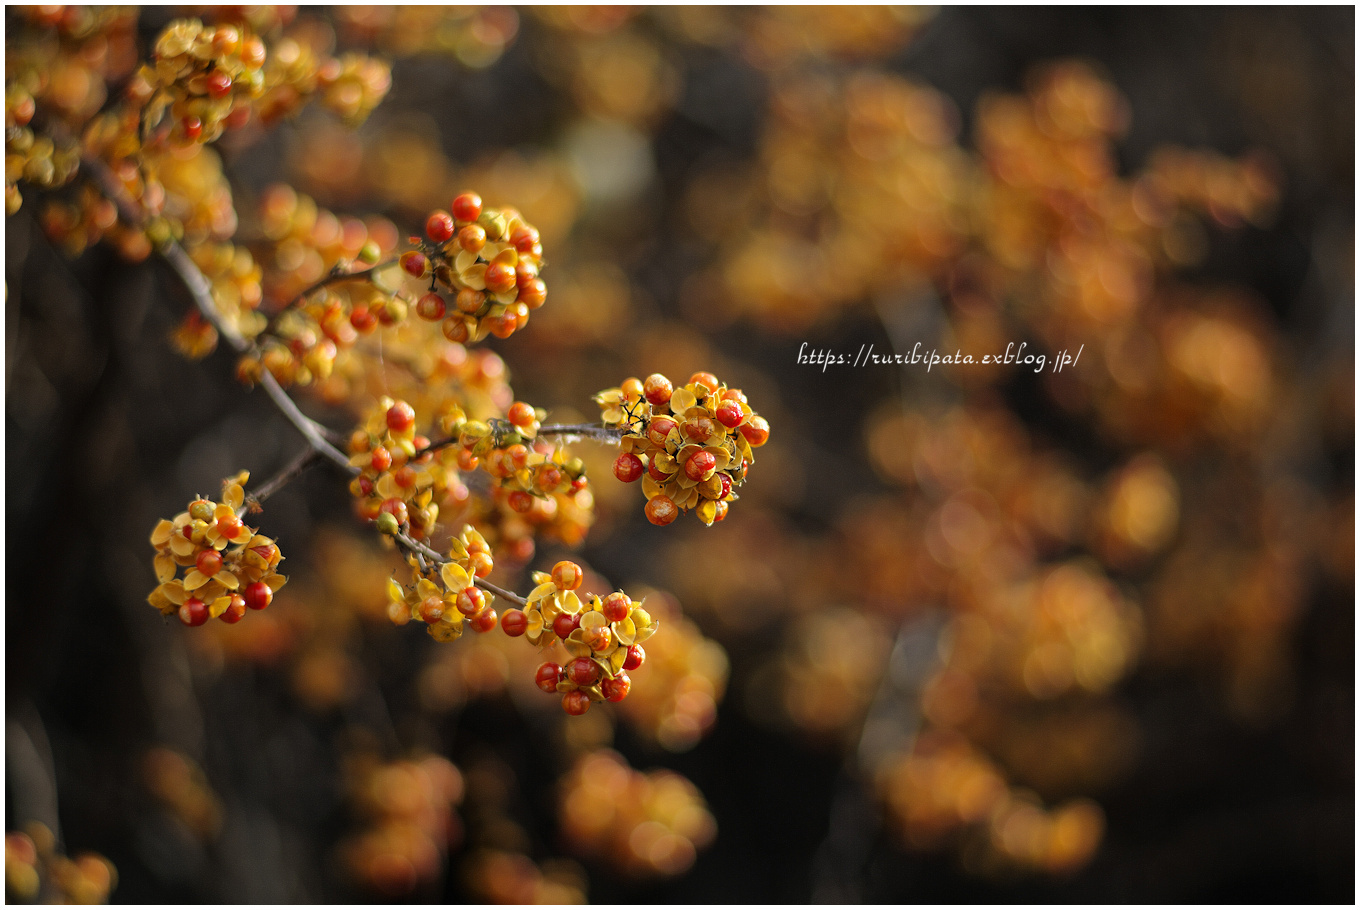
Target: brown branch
point(304, 460)
point(595, 431)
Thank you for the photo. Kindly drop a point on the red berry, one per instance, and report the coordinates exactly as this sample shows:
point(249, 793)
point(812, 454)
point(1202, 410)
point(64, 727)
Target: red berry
point(757, 431)
point(467, 207)
point(193, 128)
point(576, 703)
point(524, 238)
point(634, 657)
point(520, 501)
point(521, 414)
point(500, 277)
point(583, 671)
point(533, 294)
point(515, 623)
point(481, 564)
point(616, 606)
point(726, 486)
point(439, 227)
point(405, 476)
point(729, 414)
point(720, 511)
point(700, 465)
point(258, 595)
point(567, 575)
point(229, 526)
point(431, 609)
point(219, 84)
point(707, 380)
point(628, 467)
point(548, 676)
point(471, 601)
point(484, 621)
point(414, 263)
point(363, 320)
point(548, 477)
point(661, 510)
point(400, 417)
point(660, 427)
point(381, 459)
point(616, 689)
point(209, 562)
point(430, 307)
point(657, 389)
point(564, 624)
point(236, 608)
point(472, 238)
point(193, 612)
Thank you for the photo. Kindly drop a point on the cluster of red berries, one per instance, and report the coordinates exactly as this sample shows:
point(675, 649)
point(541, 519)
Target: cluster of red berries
point(229, 566)
point(350, 86)
point(443, 597)
point(604, 637)
point(690, 446)
point(486, 262)
point(398, 476)
point(528, 475)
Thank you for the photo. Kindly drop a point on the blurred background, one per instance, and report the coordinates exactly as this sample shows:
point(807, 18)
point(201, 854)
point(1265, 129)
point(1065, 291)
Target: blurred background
point(972, 634)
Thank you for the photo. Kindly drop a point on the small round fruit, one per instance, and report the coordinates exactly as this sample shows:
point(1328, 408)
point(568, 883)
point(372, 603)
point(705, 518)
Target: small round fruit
point(439, 227)
point(500, 277)
point(520, 501)
point(576, 703)
point(524, 238)
point(381, 459)
point(467, 207)
point(720, 511)
point(661, 510)
point(757, 431)
point(564, 624)
point(484, 621)
point(236, 608)
point(616, 606)
point(430, 307)
point(469, 301)
point(533, 294)
point(193, 612)
point(209, 562)
point(657, 389)
point(515, 623)
point(700, 465)
point(200, 510)
point(708, 380)
point(567, 575)
point(396, 508)
point(547, 676)
point(472, 238)
point(616, 689)
point(431, 609)
point(634, 657)
point(471, 601)
point(258, 595)
point(729, 414)
point(583, 671)
point(414, 263)
point(387, 524)
point(659, 428)
point(400, 417)
point(229, 526)
point(628, 467)
point(521, 414)
point(219, 84)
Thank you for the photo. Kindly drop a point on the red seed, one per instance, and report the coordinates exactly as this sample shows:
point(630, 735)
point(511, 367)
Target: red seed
point(467, 207)
point(515, 623)
point(634, 657)
point(258, 595)
point(547, 676)
point(628, 467)
point(193, 612)
point(439, 227)
point(583, 671)
point(616, 689)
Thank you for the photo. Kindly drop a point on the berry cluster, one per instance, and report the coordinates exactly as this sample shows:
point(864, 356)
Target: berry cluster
point(407, 821)
point(689, 446)
point(486, 261)
point(199, 75)
point(651, 823)
point(395, 485)
point(442, 597)
point(35, 870)
point(230, 566)
point(29, 157)
point(604, 636)
point(349, 86)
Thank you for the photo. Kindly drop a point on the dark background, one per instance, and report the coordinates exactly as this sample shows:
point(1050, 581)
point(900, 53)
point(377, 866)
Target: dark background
point(107, 430)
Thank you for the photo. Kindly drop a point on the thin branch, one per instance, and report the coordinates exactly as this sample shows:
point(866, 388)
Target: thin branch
point(422, 550)
point(304, 460)
point(595, 431)
point(334, 277)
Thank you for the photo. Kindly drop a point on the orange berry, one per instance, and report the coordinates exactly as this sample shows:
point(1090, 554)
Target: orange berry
point(661, 510)
point(467, 207)
point(657, 389)
point(576, 703)
point(567, 575)
point(708, 380)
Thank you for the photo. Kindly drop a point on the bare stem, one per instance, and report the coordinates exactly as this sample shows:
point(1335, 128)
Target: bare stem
point(595, 431)
point(304, 460)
